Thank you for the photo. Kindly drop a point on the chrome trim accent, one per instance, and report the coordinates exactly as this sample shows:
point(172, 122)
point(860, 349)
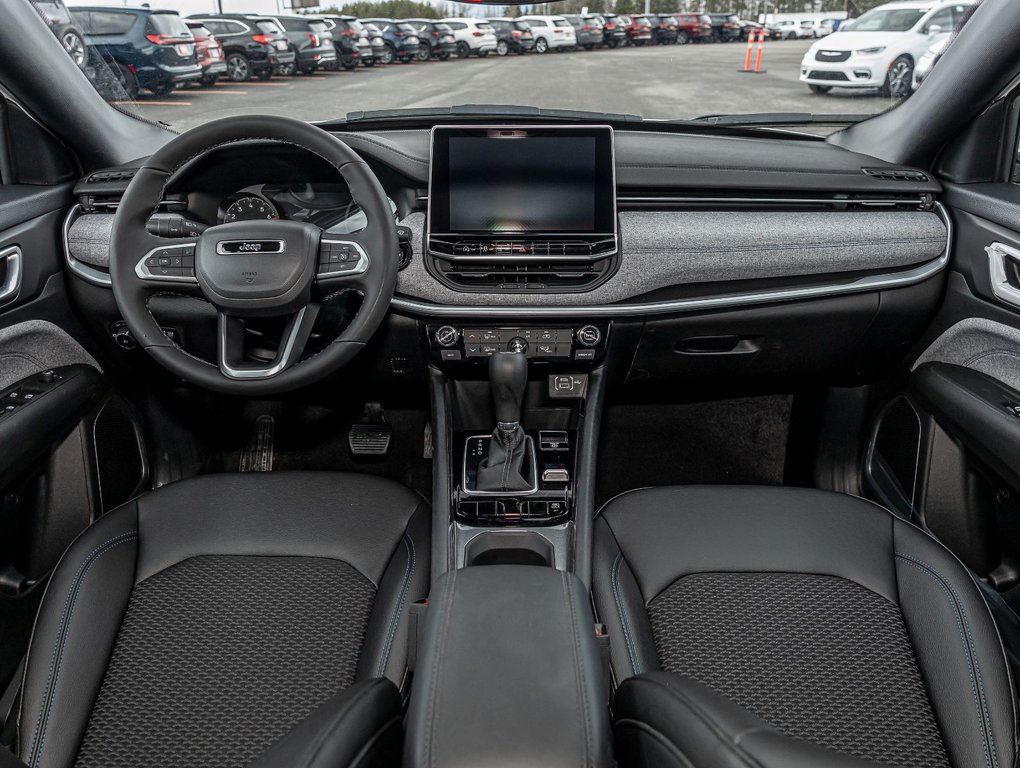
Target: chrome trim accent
point(360, 268)
point(920, 201)
point(12, 278)
point(144, 274)
point(86, 272)
point(726, 301)
point(219, 246)
point(1001, 287)
point(534, 471)
point(282, 360)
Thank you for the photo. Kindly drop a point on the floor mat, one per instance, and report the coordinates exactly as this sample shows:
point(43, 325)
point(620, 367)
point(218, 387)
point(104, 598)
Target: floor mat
point(738, 441)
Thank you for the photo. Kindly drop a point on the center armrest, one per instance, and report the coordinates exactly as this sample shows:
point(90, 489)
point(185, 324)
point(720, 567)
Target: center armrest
point(509, 673)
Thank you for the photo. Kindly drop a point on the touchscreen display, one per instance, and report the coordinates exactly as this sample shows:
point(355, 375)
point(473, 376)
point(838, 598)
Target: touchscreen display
point(522, 180)
point(533, 184)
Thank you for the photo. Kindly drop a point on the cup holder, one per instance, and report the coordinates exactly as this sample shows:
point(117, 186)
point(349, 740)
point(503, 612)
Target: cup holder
point(509, 548)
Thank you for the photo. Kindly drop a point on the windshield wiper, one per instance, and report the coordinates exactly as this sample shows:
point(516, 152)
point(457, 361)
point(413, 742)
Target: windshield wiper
point(781, 118)
point(475, 111)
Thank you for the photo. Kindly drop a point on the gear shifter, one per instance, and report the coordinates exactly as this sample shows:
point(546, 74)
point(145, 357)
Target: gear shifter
point(502, 469)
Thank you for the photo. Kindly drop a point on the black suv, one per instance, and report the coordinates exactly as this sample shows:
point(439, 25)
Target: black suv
point(143, 48)
point(401, 40)
point(56, 15)
point(512, 36)
point(435, 39)
point(252, 46)
point(664, 29)
point(311, 41)
point(587, 34)
point(726, 27)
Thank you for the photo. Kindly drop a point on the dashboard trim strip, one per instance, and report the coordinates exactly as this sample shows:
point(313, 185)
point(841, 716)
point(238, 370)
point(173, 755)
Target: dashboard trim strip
point(726, 301)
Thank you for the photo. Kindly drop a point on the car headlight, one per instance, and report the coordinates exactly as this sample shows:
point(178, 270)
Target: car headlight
point(870, 51)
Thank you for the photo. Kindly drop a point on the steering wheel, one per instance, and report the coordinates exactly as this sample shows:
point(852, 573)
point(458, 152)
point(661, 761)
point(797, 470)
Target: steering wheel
point(254, 269)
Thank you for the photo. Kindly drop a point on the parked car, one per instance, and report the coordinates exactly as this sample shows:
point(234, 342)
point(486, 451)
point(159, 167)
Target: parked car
point(693, 27)
point(725, 27)
point(311, 41)
point(880, 49)
point(793, 29)
point(587, 34)
point(435, 39)
point(823, 27)
point(473, 36)
point(638, 32)
point(402, 42)
point(614, 32)
point(664, 29)
point(349, 39)
point(209, 52)
point(252, 46)
point(512, 36)
point(59, 20)
point(144, 48)
point(551, 33)
point(376, 45)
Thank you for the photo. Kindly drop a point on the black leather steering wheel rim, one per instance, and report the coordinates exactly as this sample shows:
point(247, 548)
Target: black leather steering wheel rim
point(130, 241)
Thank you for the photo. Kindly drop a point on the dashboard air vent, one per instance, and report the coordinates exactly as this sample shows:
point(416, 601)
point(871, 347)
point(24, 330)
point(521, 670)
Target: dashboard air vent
point(896, 174)
point(99, 176)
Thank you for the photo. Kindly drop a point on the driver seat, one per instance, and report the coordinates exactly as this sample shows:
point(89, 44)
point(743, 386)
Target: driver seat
point(230, 620)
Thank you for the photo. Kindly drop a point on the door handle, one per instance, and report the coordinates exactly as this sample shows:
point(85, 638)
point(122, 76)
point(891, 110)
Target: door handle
point(11, 259)
point(1004, 264)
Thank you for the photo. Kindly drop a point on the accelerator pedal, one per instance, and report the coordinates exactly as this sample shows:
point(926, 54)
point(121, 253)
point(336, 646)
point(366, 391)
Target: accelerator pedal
point(370, 438)
point(258, 453)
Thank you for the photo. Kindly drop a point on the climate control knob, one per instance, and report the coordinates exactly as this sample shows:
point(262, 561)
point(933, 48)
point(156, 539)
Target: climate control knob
point(446, 336)
point(589, 335)
point(517, 344)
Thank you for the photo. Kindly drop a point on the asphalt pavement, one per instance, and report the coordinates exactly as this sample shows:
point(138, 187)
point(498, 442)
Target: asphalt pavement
point(653, 81)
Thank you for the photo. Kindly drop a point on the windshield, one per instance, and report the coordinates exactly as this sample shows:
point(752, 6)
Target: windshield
point(804, 63)
point(890, 20)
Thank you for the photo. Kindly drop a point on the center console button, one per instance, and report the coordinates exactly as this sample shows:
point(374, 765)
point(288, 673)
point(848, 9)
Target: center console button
point(589, 335)
point(446, 336)
point(517, 344)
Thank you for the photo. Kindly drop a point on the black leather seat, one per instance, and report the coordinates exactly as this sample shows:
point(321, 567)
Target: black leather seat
point(228, 619)
point(786, 627)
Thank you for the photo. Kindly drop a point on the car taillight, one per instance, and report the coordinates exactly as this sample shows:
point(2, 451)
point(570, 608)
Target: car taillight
point(516, 33)
point(610, 26)
point(314, 38)
point(434, 33)
point(348, 33)
point(478, 34)
point(262, 39)
point(587, 29)
point(168, 39)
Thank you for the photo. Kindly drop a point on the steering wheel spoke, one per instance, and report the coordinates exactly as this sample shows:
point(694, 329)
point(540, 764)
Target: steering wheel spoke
point(343, 260)
point(234, 360)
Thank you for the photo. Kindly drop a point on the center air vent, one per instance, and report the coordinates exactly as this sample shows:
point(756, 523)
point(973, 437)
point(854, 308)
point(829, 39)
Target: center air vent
point(896, 174)
point(556, 265)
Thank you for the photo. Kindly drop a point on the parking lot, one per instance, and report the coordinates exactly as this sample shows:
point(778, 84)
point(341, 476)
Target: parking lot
point(668, 81)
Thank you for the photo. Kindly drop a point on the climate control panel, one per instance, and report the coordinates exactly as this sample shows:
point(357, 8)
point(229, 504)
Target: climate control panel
point(559, 343)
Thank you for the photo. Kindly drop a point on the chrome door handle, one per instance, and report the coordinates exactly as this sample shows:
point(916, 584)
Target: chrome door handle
point(11, 257)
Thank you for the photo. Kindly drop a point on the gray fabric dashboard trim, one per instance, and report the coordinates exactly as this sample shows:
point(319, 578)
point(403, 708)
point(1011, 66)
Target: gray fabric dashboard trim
point(36, 345)
point(984, 345)
point(88, 239)
point(664, 248)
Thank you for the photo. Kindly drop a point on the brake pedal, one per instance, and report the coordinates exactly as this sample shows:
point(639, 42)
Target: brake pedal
point(257, 455)
point(371, 437)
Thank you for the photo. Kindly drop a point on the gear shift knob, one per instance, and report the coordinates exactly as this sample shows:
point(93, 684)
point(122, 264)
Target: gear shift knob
point(508, 377)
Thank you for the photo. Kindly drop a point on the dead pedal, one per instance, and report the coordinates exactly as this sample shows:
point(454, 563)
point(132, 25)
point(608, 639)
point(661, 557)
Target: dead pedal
point(371, 437)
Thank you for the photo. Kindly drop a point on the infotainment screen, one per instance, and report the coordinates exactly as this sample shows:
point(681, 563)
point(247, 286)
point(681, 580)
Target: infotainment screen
point(522, 181)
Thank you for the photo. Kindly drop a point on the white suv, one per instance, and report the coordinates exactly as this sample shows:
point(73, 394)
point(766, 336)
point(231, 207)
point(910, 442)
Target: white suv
point(473, 36)
point(881, 48)
point(793, 29)
point(551, 32)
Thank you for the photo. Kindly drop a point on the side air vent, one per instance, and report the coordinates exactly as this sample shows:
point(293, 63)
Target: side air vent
point(896, 174)
point(110, 176)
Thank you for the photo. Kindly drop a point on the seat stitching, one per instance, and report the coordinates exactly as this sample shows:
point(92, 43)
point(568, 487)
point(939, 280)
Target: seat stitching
point(582, 688)
point(56, 659)
point(976, 681)
point(624, 621)
point(395, 615)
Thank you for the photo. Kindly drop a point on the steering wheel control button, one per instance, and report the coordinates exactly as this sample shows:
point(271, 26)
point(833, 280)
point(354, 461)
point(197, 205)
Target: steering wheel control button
point(447, 336)
point(172, 262)
point(589, 335)
point(339, 258)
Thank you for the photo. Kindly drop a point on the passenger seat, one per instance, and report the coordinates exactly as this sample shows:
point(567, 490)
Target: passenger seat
point(788, 627)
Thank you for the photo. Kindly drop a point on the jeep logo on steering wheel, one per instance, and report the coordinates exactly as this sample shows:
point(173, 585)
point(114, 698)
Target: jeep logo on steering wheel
point(249, 246)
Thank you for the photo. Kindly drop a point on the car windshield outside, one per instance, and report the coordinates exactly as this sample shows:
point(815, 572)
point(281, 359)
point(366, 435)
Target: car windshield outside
point(818, 64)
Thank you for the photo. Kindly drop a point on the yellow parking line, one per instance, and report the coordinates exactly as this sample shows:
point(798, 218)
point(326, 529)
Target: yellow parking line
point(257, 84)
point(211, 92)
